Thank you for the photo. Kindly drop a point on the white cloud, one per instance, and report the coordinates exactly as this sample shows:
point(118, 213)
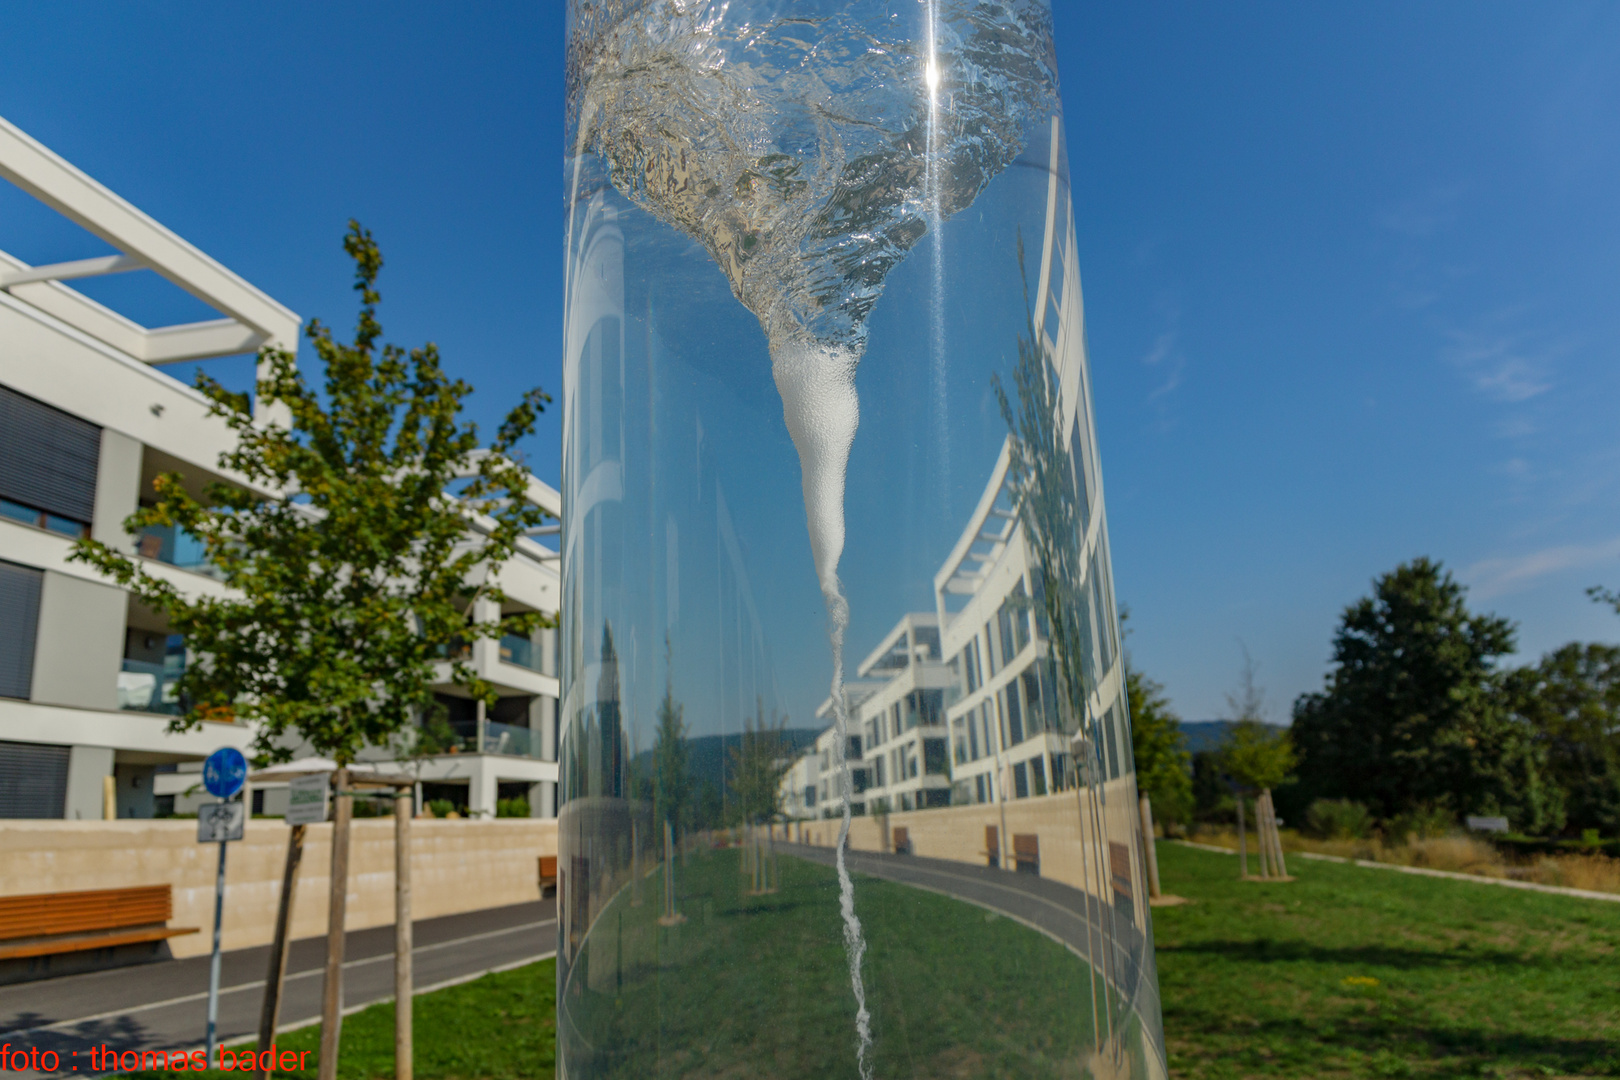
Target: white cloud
point(1164, 355)
point(1499, 365)
point(1495, 577)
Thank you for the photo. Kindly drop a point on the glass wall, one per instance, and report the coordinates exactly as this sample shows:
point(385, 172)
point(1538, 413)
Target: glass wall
point(846, 777)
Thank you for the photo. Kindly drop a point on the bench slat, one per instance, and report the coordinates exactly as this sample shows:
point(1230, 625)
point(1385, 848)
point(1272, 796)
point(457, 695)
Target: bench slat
point(49, 946)
point(42, 914)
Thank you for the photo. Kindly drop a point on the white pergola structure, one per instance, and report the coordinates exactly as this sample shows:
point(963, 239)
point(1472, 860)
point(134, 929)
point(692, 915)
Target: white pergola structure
point(249, 318)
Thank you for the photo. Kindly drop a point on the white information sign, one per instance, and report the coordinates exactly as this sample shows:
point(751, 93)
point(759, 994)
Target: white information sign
point(308, 798)
point(219, 822)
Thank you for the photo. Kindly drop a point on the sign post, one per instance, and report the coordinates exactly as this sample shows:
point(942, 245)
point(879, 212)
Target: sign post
point(224, 773)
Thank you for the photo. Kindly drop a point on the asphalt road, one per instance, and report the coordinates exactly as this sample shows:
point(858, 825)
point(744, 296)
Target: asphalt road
point(163, 1005)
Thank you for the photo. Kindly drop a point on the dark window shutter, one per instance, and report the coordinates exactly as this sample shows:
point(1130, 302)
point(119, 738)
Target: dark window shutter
point(48, 458)
point(19, 624)
point(33, 780)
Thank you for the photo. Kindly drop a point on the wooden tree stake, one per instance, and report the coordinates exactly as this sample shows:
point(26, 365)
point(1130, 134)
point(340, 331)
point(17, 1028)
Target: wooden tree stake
point(332, 992)
point(275, 978)
point(403, 986)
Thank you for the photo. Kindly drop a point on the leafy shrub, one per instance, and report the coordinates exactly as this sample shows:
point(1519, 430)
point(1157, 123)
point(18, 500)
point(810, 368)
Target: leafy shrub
point(1338, 819)
point(441, 807)
point(1426, 823)
point(518, 807)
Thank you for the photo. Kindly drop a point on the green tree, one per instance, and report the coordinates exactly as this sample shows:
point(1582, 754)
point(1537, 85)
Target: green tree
point(755, 769)
point(672, 780)
point(1163, 766)
point(349, 562)
point(1256, 755)
point(1412, 717)
point(1571, 699)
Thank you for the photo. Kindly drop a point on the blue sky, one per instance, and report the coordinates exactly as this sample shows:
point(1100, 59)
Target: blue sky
point(1350, 271)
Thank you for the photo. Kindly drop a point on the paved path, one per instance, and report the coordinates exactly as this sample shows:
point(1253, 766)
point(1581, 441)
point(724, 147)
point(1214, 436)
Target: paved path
point(164, 1005)
point(1065, 914)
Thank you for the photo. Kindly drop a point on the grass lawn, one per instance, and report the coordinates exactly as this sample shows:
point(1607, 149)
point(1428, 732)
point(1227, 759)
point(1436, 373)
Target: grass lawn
point(759, 986)
point(1346, 972)
point(1352, 972)
point(499, 1027)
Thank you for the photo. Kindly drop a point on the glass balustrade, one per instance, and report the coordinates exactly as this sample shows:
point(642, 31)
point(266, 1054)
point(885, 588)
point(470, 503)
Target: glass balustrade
point(149, 687)
point(520, 651)
point(510, 740)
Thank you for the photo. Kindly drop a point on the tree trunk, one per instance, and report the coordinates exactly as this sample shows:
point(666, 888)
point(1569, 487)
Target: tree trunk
point(275, 978)
point(403, 1057)
point(1152, 860)
point(332, 993)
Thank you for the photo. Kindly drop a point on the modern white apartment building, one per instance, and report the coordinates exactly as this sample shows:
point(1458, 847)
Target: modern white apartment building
point(986, 640)
point(87, 419)
point(902, 720)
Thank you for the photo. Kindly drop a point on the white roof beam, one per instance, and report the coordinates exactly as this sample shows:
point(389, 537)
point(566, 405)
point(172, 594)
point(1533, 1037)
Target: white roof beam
point(71, 193)
point(198, 341)
point(68, 271)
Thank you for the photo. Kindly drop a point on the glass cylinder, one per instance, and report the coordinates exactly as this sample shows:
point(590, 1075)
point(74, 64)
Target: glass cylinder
point(846, 773)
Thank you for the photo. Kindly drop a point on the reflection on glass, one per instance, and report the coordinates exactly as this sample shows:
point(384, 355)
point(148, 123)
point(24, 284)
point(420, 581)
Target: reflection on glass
point(845, 758)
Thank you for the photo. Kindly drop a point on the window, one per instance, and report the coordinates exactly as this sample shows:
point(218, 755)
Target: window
point(48, 461)
point(925, 707)
point(973, 735)
point(969, 663)
point(28, 515)
point(1034, 713)
point(810, 795)
point(33, 780)
point(1020, 781)
point(978, 783)
point(926, 641)
point(1037, 772)
point(1018, 607)
point(1004, 625)
point(1060, 772)
point(990, 647)
point(1015, 717)
point(935, 761)
point(19, 627)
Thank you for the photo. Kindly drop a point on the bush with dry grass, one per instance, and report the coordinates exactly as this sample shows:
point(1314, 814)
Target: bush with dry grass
point(1457, 852)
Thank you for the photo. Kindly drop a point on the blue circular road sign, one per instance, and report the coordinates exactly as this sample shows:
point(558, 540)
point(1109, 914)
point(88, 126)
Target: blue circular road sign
point(224, 772)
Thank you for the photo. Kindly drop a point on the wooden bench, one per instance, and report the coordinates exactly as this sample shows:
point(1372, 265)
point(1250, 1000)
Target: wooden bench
point(43, 924)
point(548, 875)
point(900, 840)
point(1027, 853)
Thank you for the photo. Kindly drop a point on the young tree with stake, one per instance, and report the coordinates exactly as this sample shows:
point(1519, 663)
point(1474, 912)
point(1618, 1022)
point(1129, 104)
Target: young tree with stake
point(349, 560)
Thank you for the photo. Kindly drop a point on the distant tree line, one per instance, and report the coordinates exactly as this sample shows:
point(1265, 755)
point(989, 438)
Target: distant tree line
point(1416, 726)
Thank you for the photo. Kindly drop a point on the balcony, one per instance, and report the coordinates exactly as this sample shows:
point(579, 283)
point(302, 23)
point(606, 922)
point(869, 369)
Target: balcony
point(509, 740)
point(173, 545)
point(521, 652)
point(150, 688)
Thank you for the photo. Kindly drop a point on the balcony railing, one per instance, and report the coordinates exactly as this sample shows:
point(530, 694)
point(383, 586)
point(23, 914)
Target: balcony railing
point(149, 688)
point(520, 651)
point(173, 545)
point(510, 740)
